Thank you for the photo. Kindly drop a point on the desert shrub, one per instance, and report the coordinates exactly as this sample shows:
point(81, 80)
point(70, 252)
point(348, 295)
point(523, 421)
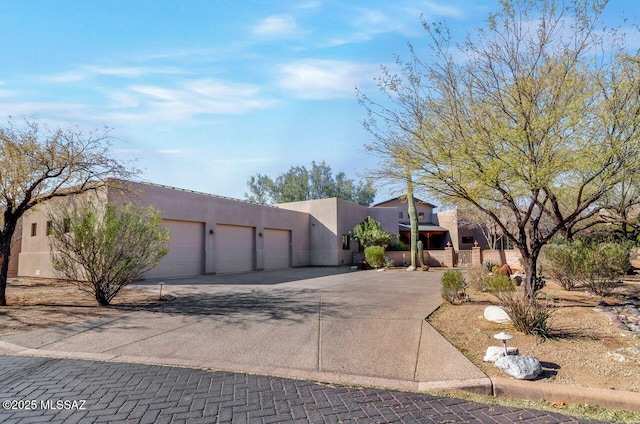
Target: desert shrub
point(374, 255)
point(388, 262)
point(563, 262)
point(603, 264)
point(452, 283)
point(597, 266)
point(489, 266)
point(397, 245)
point(499, 283)
point(478, 277)
point(527, 316)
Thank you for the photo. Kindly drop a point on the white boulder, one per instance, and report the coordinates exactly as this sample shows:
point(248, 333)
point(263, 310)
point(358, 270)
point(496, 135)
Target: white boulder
point(494, 352)
point(496, 314)
point(519, 367)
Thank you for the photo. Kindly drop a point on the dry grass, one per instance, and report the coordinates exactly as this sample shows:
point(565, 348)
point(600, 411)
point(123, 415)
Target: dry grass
point(575, 354)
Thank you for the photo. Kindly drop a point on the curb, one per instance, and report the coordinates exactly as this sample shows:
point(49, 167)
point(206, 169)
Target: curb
point(538, 390)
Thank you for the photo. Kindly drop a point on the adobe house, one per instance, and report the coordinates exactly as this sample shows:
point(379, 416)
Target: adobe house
point(213, 234)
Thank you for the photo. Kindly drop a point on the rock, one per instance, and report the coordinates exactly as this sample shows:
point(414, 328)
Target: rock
point(496, 314)
point(626, 354)
point(519, 367)
point(494, 352)
point(411, 268)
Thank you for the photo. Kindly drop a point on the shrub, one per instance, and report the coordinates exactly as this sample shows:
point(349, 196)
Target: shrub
point(452, 283)
point(563, 263)
point(478, 277)
point(374, 255)
point(388, 262)
point(603, 264)
point(370, 233)
point(489, 265)
point(397, 245)
point(527, 316)
point(499, 283)
point(596, 266)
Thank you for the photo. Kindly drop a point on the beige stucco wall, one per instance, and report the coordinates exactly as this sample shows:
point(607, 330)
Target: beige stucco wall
point(180, 205)
point(449, 220)
point(421, 208)
point(333, 218)
point(35, 252)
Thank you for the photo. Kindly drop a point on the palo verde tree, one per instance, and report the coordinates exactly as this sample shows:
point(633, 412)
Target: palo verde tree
point(538, 114)
point(38, 163)
point(103, 249)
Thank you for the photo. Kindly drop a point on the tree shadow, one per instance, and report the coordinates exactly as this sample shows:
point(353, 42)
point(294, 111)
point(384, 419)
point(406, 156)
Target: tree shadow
point(294, 306)
point(549, 370)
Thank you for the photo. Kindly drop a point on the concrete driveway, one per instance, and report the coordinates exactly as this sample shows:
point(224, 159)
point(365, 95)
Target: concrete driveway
point(329, 324)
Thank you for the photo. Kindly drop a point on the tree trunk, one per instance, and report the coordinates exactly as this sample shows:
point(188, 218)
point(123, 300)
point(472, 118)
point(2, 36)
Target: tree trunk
point(413, 220)
point(530, 270)
point(5, 254)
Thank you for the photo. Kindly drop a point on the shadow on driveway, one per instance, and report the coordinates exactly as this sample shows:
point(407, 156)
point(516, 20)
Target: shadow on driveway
point(236, 307)
point(269, 277)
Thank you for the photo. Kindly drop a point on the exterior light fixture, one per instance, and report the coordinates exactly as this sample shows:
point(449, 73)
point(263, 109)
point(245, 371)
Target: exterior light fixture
point(504, 337)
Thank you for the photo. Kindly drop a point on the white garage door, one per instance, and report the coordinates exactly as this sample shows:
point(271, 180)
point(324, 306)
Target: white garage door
point(186, 251)
point(235, 248)
point(276, 249)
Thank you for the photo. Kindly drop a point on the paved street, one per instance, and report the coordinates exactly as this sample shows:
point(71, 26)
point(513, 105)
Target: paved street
point(75, 391)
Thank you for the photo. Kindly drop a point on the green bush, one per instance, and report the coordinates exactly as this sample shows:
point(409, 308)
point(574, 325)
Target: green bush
point(397, 245)
point(499, 283)
point(388, 262)
point(527, 316)
point(374, 255)
point(453, 283)
point(489, 265)
point(596, 266)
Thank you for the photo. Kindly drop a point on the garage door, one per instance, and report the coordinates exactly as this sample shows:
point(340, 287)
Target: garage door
point(276, 249)
point(186, 251)
point(234, 248)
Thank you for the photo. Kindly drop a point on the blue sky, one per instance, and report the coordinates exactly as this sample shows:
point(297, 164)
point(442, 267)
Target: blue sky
point(207, 93)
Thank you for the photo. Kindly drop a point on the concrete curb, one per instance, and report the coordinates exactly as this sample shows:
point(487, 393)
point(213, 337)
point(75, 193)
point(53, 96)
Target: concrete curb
point(538, 390)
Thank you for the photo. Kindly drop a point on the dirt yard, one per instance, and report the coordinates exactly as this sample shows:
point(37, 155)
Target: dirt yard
point(579, 351)
point(38, 303)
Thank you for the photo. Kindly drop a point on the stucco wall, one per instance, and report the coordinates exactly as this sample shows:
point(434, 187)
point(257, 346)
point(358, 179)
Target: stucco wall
point(180, 205)
point(449, 220)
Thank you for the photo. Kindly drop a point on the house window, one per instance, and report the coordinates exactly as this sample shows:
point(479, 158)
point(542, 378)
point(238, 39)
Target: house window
point(400, 215)
point(346, 242)
point(67, 224)
point(420, 215)
point(34, 229)
point(49, 228)
point(467, 240)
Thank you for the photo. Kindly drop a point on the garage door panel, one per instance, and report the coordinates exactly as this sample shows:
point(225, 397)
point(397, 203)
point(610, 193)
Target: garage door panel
point(277, 249)
point(235, 247)
point(186, 251)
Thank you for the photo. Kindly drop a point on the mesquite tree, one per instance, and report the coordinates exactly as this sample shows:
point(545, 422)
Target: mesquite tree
point(538, 115)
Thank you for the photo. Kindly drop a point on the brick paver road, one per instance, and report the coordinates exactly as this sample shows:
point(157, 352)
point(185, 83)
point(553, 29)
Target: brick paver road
point(75, 391)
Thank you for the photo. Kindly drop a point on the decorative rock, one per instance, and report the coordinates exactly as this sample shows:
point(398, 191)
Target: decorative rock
point(495, 352)
point(496, 314)
point(519, 367)
point(411, 268)
point(626, 354)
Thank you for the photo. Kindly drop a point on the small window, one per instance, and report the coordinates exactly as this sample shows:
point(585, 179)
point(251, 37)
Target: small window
point(346, 242)
point(467, 240)
point(67, 225)
point(400, 215)
point(34, 229)
point(420, 215)
point(49, 228)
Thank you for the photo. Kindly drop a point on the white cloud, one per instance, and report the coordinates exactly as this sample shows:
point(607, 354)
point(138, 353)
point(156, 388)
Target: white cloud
point(325, 79)
point(202, 96)
point(276, 26)
point(89, 72)
point(444, 10)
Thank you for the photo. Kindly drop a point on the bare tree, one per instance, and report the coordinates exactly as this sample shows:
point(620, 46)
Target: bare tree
point(38, 163)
